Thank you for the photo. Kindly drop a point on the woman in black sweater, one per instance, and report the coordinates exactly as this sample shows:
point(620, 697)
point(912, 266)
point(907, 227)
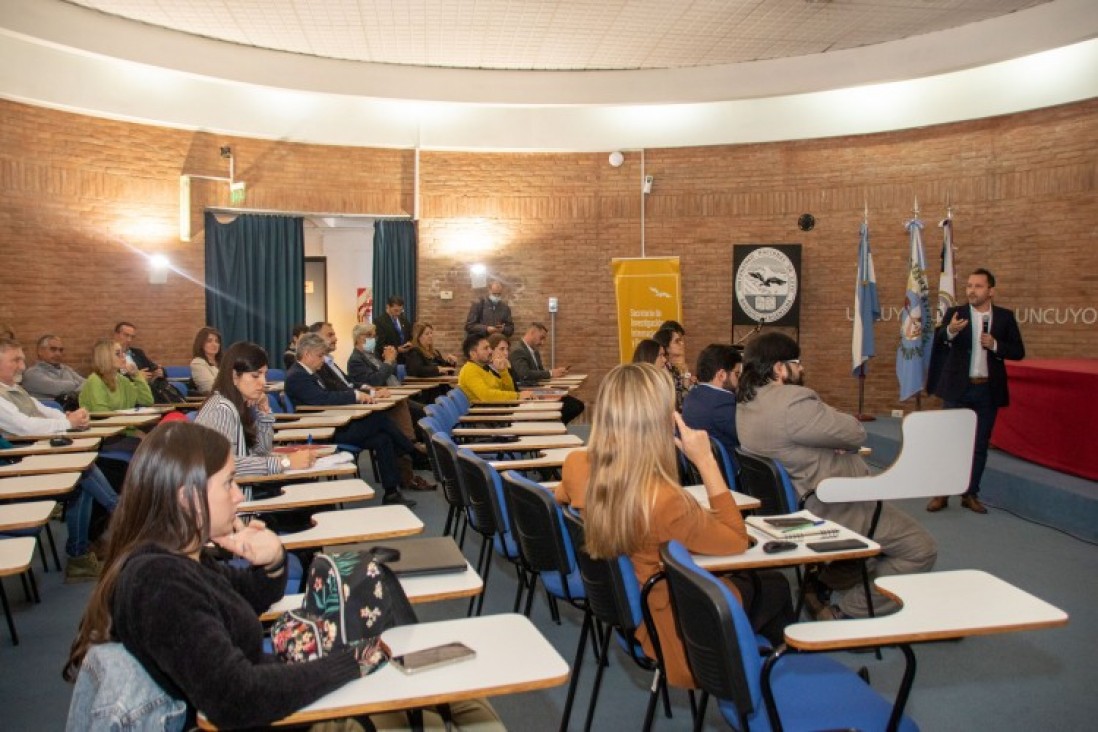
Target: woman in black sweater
point(191, 621)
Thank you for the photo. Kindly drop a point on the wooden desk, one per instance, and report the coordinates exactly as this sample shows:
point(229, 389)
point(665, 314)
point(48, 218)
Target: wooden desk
point(935, 606)
point(505, 407)
point(302, 435)
point(15, 558)
point(309, 421)
point(421, 589)
point(295, 476)
point(756, 558)
point(524, 428)
point(526, 444)
point(98, 429)
point(354, 525)
point(743, 501)
point(428, 381)
point(156, 409)
point(38, 486)
point(129, 420)
point(43, 464)
point(547, 459)
point(512, 657)
point(510, 417)
point(311, 411)
point(16, 516)
point(43, 447)
point(302, 495)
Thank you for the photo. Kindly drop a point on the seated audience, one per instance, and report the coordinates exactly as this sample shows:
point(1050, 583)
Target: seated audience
point(626, 484)
point(306, 385)
point(711, 405)
point(479, 380)
point(527, 368)
point(124, 335)
point(114, 382)
point(778, 417)
point(289, 356)
point(207, 358)
point(674, 345)
point(424, 360)
point(366, 368)
point(50, 378)
point(238, 409)
point(650, 351)
point(22, 414)
point(191, 621)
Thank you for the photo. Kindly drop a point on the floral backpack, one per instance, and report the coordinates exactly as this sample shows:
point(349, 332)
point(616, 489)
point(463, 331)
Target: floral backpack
point(350, 599)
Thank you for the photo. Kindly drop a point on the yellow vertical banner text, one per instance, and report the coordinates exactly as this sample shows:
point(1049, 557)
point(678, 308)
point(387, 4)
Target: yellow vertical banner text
point(648, 293)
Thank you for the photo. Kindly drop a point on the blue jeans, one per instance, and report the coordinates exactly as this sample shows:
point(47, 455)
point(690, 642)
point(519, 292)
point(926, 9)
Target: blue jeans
point(93, 487)
point(977, 397)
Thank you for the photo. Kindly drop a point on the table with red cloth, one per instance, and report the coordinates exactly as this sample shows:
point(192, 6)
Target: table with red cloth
point(1052, 419)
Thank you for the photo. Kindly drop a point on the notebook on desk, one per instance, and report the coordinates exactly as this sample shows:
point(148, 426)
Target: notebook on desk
point(432, 555)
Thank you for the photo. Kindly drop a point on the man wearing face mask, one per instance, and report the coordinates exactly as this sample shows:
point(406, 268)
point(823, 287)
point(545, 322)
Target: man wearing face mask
point(490, 315)
point(711, 405)
point(778, 417)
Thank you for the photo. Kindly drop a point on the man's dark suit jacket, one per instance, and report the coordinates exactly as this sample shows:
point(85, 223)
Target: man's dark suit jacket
point(141, 360)
point(523, 366)
point(304, 388)
point(950, 359)
point(387, 332)
point(713, 410)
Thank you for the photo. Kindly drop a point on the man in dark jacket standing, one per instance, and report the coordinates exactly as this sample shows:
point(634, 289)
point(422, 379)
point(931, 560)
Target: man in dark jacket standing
point(490, 314)
point(967, 369)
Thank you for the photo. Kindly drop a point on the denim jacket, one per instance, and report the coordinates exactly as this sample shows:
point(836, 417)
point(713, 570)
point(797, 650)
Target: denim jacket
point(114, 693)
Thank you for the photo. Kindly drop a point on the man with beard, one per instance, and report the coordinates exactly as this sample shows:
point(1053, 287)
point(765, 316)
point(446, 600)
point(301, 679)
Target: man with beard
point(711, 405)
point(778, 417)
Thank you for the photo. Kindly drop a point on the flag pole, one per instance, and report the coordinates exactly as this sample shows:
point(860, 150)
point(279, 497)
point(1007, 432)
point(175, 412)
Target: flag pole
point(861, 416)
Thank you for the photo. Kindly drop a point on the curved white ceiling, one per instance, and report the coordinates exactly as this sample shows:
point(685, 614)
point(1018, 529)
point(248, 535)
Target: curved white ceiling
point(57, 54)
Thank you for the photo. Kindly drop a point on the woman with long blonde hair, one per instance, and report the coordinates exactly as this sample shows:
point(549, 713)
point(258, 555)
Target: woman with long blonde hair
point(626, 483)
point(114, 383)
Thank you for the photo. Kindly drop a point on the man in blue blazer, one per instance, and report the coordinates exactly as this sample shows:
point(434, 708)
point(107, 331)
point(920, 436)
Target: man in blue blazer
point(711, 405)
point(968, 370)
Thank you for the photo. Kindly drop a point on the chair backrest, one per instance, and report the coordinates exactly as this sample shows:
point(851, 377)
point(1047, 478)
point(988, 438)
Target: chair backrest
point(613, 595)
point(275, 400)
point(688, 472)
point(484, 495)
point(538, 525)
point(276, 374)
point(720, 645)
point(460, 399)
point(287, 402)
point(765, 479)
point(177, 372)
point(446, 453)
point(725, 462)
point(935, 460)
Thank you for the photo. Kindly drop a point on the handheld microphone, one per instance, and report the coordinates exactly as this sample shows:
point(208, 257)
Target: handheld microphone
point(986, 327)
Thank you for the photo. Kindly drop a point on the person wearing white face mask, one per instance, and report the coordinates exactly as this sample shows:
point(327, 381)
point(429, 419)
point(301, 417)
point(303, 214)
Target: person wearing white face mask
point(490, 314)
point(364, 367)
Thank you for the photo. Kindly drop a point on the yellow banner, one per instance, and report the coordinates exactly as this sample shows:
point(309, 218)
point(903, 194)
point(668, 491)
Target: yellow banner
point(648, 293)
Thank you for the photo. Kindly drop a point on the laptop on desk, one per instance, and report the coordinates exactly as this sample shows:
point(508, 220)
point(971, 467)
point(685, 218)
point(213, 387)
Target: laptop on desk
point(418, 557)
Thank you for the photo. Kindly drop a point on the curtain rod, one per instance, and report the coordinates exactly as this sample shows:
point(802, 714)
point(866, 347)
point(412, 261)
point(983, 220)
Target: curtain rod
point(311, 214)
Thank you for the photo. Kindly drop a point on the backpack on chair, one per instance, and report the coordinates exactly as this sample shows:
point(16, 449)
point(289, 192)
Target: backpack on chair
point(350, 600)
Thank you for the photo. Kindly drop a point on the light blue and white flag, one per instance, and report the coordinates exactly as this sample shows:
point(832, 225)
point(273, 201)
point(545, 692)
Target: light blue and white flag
point(913, 355)
point(867, 306)
point(947, 292)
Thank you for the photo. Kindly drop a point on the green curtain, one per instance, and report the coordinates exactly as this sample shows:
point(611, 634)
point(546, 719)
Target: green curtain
point(395, 265)
point(255, 279)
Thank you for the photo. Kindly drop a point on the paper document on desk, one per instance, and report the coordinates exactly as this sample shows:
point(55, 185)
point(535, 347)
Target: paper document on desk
point(794, 526)
point(324, 463)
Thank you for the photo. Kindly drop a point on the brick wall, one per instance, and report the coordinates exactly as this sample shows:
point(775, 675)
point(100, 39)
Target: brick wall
point(79, 192)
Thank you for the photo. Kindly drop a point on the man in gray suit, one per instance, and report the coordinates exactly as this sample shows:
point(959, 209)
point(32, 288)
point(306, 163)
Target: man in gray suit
point(779, 418)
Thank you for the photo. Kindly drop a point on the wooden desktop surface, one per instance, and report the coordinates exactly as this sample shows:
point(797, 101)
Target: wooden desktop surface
point(353, 525)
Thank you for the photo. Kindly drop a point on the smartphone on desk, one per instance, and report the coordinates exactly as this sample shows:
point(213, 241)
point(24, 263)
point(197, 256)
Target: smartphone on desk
point(444, 655)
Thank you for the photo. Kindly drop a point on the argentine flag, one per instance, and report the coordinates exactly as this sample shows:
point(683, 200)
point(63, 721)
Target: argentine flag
point(867, 306)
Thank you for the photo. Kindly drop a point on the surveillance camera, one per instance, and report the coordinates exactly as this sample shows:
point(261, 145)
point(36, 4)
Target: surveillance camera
point(226, 152)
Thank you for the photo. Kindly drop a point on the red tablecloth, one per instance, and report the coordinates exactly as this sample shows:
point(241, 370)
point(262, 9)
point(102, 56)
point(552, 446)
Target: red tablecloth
point(1052, 419)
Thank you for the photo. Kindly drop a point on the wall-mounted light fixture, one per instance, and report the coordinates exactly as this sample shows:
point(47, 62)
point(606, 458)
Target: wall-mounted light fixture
point(158, 269)
point(478, 275)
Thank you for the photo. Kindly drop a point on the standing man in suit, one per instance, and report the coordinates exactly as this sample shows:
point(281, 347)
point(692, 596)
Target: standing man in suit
point(527, 368)
point(711, 405)
point(124, 335)
point(393, 329)
point(490, 315)
point(967, 370)
point(778, 417)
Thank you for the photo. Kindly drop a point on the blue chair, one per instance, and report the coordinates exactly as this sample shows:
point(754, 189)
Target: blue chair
point(487, 515)
point(276, 374)
point(460, 399)
point(766, 479)
point(615, 600)
point(547, 552)
point(50, 403)
point(790, 691)
point(725, 462)
point(446, 453)
point(177, 372)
